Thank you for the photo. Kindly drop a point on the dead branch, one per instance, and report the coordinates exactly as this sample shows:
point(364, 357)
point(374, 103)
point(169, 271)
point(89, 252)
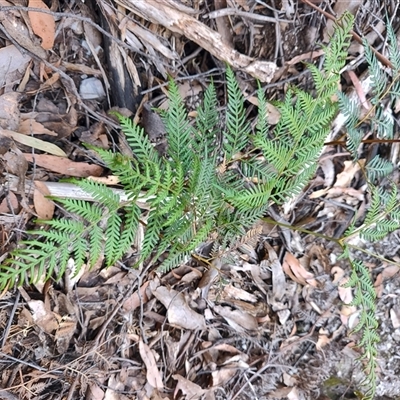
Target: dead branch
point(165, 13)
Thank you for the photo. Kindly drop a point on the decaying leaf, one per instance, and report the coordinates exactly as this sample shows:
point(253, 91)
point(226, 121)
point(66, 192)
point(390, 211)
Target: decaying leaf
point(178, 311)
point(152, 373)
point(292, 267)
point(44, 207)
point(43, 24)
point(188, 388)
point(239, 320)
point(63, 165)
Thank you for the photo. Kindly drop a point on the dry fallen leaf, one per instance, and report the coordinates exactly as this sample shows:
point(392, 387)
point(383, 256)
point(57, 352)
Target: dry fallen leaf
point(323, 339)
point(16, 164)
point(395, 318)
point(152, 373)
point(278, 277)
point(63, 165)
point(179, 313)
point(114, 387)
point(94, 392)
point(44, 207)
point(222, 375)
point(43, 25)
point(188, 388)
point(33, 142)
point(9, 110)
point(32, 127)
point(237, 319)
point(9, 201)
point(12, 61)
point(346, 176)
point(292, 267)
point(42, 317)
point(133, 301)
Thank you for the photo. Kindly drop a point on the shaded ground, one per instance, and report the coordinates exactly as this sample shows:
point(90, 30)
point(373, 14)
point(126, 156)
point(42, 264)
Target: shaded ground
point(268, 324)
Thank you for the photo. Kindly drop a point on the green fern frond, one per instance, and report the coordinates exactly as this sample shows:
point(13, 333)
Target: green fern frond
point(207, 121)
point(377, 74)
point(179, 131)
point(394, 53)
point(378, 168)
point(262, 119)
point(139, 142)
point(237, 126)
point(365, 298)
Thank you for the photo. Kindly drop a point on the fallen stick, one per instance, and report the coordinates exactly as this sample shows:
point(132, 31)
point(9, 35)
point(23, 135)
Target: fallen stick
point(177, 18)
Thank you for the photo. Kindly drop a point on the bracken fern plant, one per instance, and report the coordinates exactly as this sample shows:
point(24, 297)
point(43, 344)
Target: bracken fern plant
point(206, 183)
point(383, 215)
point(215, 184)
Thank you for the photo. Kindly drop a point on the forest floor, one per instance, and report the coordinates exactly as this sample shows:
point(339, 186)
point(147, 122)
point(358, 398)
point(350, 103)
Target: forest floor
point(273, 323)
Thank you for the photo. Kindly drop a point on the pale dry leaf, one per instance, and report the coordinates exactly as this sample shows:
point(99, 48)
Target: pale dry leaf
point(323, 340)
point(283, 316)
point(281, 393)
point(223, 23)
point(347, 175)
point(359, 89)
point(289, 380)
point(294, 394)
point(239, 320)
point(50, 82)
point(292, 266)
point(12, 60)
point(64, 333)
point(316, 194)
point(94, 392)
point(348, 195)
point(44, 207)
point(273, 114)
point(306, 57)
point(65, 166)
point(278, 277)
point(328, 168)
point(178, 311)
point(32, 127)
point(338, 274)
point(257, 274)
point(133, 301)
point(9, 201)
point(191, 276)
point(109, 180)
point(43, 25)
point(9, 111)
point(378, 285)
point(352, 320)
point(16, 164)
point(221, 376)
point(395, 318)
point(390, 271)
point(42, 317)
point(238, 293)
point(339, 8)
point(227, 348)
point(33, 142)
point(153, 375)
point(114, 387)
point(72, 276)
point(345, 293)
point(188, 388)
